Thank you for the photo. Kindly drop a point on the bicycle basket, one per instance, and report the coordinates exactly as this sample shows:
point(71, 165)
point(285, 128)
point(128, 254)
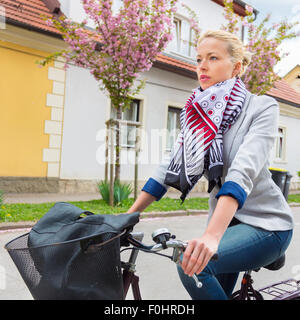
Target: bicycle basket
point(66, 271)
point(68, 257)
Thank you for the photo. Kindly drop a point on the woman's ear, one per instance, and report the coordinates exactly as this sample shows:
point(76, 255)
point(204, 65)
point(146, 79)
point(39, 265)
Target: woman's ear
point(237, 69)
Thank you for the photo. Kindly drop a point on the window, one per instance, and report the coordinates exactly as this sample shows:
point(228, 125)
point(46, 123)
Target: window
point(128, 133)
point(280, 144)
point(173, 126)
point(182, 37)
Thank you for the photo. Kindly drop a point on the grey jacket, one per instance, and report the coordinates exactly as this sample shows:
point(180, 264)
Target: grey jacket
point(246, 150)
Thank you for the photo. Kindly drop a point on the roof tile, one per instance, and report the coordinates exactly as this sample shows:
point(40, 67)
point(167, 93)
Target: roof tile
point(28, 12)
point(284, 91)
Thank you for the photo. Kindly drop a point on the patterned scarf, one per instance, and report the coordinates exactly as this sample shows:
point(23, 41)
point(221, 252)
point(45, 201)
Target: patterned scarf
point(206, 117)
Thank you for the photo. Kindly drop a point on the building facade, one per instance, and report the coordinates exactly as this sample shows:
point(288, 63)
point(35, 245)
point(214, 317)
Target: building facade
point(53, 132)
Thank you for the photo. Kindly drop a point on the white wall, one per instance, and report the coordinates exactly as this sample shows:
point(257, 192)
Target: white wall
point(210, 13)
point(84, 116)
point(87, 109)
point(292, 163)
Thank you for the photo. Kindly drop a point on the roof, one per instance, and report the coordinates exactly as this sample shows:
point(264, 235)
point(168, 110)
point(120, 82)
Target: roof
point(295, 69)
point(27, 14)
point(239, 7)
point(283, 92)
point(169, 63)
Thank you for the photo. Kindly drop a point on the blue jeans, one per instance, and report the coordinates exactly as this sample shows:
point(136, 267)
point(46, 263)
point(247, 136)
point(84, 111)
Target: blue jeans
point(242, 247)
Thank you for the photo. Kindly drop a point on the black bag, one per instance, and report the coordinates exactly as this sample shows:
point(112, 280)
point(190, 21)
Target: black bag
point(73, 257)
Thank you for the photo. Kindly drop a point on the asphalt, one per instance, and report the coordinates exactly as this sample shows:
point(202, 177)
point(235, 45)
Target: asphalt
point(158, 275)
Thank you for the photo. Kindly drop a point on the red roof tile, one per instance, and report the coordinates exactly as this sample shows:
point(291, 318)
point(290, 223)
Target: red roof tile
point(28, 12)
point(284, 91)
point(176, 63)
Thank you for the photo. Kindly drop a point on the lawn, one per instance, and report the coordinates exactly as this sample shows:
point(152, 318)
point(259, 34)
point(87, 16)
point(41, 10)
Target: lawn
point(33, 212)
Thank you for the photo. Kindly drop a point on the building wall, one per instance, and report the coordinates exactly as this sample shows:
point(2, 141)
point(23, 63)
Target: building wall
point(87, 108)
point(23, 90)
point(290, 120)
point(32, 101)
point(293, 78)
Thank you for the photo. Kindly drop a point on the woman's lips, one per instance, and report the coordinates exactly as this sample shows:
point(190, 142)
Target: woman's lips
point(204, 78)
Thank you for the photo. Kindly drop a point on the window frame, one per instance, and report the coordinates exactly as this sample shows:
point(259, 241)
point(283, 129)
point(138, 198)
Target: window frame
point(137, 119)
point(280, 155)
point(179, 39)
point(177, 110)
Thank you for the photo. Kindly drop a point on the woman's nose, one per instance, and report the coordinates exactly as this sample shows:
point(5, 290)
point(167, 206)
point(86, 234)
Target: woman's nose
point(203, 65)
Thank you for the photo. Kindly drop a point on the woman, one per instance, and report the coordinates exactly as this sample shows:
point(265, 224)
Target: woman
point(226, 135)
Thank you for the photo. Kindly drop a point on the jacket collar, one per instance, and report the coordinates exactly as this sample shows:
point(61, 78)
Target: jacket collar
point(231, 134)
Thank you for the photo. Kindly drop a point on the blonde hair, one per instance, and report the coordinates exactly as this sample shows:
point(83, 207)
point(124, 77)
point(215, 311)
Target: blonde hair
point(236, 48)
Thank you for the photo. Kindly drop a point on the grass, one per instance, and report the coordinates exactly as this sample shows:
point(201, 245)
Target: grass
point(294, 198)
point(33, 212)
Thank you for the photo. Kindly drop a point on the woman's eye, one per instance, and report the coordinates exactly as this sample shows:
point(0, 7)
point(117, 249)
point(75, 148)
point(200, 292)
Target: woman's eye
point(198, 60)
point(213, 58)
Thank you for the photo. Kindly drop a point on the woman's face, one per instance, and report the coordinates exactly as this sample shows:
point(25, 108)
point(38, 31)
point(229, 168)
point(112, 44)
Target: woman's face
point(214, 63)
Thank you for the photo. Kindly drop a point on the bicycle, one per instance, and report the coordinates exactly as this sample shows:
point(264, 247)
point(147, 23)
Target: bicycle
point(163, 240)
point(284, 290)
point(22, 256)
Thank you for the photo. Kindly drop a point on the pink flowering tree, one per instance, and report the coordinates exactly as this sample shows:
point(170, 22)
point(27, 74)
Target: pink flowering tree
point(122, 45)
point(262, 41)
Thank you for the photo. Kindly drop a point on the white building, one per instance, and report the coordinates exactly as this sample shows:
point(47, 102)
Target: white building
point(169, 83)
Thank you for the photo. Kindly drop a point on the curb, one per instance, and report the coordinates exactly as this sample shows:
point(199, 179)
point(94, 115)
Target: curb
point(144, 215)
point(16, 225)
point(177, 213)
point(294, 204)
point(5, 226)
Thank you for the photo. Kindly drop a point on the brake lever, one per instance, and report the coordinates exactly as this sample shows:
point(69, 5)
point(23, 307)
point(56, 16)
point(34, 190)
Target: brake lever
point(176, 258)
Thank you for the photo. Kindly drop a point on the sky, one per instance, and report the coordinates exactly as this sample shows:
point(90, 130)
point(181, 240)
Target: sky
point(281, 10)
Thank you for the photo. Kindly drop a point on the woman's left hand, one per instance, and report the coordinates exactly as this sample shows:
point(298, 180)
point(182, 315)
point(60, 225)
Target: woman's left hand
point(198, 253)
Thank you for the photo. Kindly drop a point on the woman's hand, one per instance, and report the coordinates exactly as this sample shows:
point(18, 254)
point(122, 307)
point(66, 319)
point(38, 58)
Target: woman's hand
point(200, 250)
point(198, 253)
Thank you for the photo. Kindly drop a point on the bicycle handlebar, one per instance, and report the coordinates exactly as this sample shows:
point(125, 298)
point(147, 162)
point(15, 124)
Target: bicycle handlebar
point(178, 247)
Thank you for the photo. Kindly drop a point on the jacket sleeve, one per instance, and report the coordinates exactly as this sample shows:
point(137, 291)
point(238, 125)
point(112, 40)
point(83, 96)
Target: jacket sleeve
point(253, 152)
point(155, 185)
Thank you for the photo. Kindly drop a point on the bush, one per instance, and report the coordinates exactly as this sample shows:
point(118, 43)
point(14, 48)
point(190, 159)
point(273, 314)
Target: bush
point(121, 191)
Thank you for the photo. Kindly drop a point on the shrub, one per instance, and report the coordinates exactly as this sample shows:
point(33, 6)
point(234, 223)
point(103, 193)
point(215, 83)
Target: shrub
point(121, 191)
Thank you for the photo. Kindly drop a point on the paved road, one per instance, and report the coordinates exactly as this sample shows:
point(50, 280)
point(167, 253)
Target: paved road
point(158, 276)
